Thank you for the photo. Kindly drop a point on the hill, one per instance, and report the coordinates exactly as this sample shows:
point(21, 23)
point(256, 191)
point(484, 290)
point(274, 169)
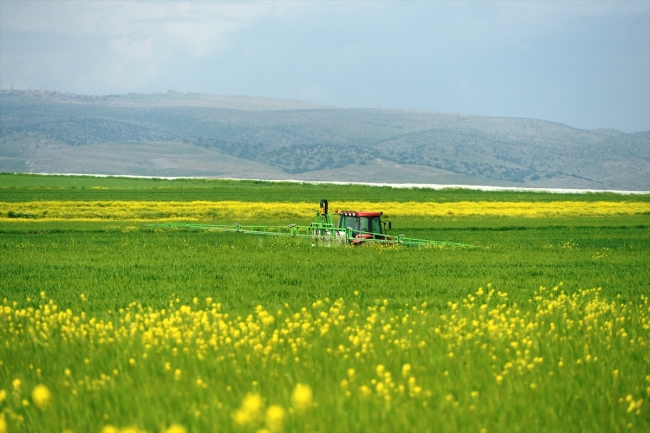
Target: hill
point(185, 134)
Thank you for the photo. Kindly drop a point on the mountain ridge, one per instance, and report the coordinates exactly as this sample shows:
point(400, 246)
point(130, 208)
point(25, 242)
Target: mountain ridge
point(44, 131)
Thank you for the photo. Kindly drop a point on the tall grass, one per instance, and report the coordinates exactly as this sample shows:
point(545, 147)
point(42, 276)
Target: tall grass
point(557, 362)
point(112, 327)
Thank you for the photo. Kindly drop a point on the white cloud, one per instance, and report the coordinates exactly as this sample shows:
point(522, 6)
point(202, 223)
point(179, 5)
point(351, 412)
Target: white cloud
point(139, 37)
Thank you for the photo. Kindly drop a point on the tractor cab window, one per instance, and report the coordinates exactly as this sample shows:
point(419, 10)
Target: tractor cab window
point(365, 224)
point(361, 224)
point(375, 225)
point(349, 221)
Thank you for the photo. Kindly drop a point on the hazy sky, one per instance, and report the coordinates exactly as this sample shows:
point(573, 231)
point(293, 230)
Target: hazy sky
point(585, 64)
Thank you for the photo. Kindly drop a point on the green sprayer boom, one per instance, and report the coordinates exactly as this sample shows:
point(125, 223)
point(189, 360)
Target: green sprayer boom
point(353, 228)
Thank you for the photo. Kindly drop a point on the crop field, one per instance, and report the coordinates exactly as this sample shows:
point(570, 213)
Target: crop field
point(107, 325)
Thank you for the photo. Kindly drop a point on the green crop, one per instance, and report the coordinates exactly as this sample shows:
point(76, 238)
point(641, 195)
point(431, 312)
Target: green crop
point(543, 325)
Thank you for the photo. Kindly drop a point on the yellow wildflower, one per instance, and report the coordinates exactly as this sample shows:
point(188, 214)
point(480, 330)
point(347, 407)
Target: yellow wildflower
point(175, 428)
point(109, 429)
point(302, 397)
point(252, 403)
point(275, 417)
point(41, 396)
point(250, 411)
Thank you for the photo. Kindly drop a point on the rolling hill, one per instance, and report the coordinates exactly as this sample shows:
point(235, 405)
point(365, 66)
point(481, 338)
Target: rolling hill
point(179, 134)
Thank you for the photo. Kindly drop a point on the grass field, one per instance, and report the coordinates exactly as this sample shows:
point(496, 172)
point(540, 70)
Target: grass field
point(108, 326)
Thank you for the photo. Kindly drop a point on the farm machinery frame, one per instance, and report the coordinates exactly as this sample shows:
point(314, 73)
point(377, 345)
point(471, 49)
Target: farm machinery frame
point(352, 228)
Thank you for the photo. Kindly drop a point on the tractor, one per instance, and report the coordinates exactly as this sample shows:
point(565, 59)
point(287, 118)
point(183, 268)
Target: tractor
point(352, 228)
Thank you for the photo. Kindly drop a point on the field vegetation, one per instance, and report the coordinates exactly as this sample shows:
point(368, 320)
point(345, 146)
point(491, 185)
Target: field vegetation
point(237, 210)
point(109, 326)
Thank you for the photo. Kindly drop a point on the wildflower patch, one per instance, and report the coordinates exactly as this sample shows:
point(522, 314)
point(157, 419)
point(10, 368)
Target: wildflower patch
point(331, 365)
point(228, 211)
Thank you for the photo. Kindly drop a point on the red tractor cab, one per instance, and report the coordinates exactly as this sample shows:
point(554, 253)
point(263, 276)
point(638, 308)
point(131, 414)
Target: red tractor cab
point(364, 225)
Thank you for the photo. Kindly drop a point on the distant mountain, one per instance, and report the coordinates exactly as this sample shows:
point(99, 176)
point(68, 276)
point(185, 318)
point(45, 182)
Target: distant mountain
point(188, 134)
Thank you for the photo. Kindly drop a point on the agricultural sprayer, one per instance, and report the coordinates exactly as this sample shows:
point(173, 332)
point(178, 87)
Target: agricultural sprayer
point(352, 228)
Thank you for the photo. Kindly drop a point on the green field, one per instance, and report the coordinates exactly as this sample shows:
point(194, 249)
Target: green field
point(24, 187)
point(386, 338)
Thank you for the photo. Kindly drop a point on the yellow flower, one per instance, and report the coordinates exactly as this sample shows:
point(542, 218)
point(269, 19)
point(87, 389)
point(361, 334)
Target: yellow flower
point(406, 370)
point(3, 424)
point(250, 411)
point(16, 385)
point(41, 396)
point(109, 429)
point(176, 428)
point(302, 397)
point(132, 361)
point(3, 395)
point(178, 374)
point(83, 297)
point(252, 403)
point(240, 418)
point(275, 416)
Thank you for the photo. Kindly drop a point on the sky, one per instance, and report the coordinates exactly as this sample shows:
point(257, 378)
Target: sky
point(585, 63)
